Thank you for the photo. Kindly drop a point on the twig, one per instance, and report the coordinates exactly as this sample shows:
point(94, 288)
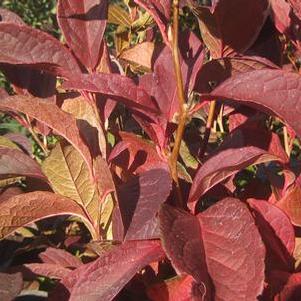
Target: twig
point(35, 137)
point(285, 140)
point(208, 128)
point(173, 159)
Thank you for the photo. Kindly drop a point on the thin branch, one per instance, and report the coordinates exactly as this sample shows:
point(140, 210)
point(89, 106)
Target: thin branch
point(286, 141)
point(35, 137)
point(182, 107)
point(208, 128)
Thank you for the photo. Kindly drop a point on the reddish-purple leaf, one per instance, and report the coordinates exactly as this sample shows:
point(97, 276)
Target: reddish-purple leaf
point(225, 38)
point(30, 81)
point(276, 230)
point(62, 123)
point(15, 162)
point(223, 239)
point(8, 16)
point(291, 205)
point(83, 24)
point(222, 165)
point(275, 91)
point(23, 45)
point(285, 286)
point(3, 93)
point(10, 286)
point(281, 14)
point(116, 85)
point(9, 192)
point(139, 202)
point(160, 11)
point(60, 257)
point(26, 208)
point(50, 270)
point(296, 5)
point(106, 276)
point(136, 154)
point(216, 71)
point(21, 140)
point(176, 289)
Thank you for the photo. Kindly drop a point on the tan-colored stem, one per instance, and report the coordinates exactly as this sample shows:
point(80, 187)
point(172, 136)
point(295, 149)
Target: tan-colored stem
point(209, 123)
point(286, 142)
point(181, 96)
point(36, 138)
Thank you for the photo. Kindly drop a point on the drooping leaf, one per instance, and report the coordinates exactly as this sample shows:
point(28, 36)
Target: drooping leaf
point(60, 257)
point(83, 23)
point(160, 11)
point(69, 176)
point(114, 85)
point(224, 242)
point(276, 231)
point(15, 162)
point(224, 38)
point(26, 208)
point(10, 286)
point(62, 123)
point(139, 202)
point(23, 45)
point(222, 165)
point(272, 91)
point(106, 276)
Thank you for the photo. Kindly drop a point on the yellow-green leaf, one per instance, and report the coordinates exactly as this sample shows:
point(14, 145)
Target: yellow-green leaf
point(68, 175)
point(117, 15)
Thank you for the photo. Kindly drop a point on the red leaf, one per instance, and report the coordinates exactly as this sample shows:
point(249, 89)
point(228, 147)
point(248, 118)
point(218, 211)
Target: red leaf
point(276, 230)
point(49, 114)
point(30, 81)
point(27, 46)
point(136, 154)
point(291, 205)
point(8, 16)
point(160, 11)
point(288, 284)
point(281, 14)
point(15, 162)
point(223, 239)
point(106, 276)
point(296, 5)
point(225, 38)
point(10, 286)
point(26, 208)
point(176, 289)
point(60, 257)
point(47, 269)
point(275, 91)
point(139, 202)
point(222, 165)
point(214, 72)
point(83, 23)
point(114, 85)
